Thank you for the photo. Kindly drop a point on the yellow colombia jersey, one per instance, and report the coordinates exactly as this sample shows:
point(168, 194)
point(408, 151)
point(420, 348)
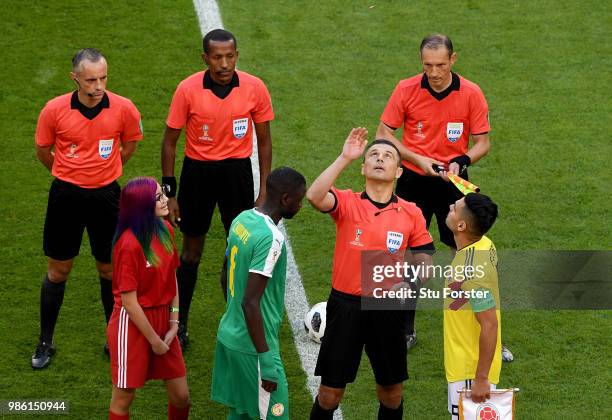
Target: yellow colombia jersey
point(474, 270)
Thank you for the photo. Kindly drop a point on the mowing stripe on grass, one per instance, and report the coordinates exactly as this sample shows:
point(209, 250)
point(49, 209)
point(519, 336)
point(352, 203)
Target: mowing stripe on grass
point(296, 303)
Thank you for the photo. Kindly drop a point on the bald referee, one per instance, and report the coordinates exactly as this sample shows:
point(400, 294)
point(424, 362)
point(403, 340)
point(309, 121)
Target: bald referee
point(83, 138)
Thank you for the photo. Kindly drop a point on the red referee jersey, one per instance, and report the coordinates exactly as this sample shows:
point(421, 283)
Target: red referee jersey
point(216, 128)
point(362, 227)
point(154, 286)
point(87, 151)
point(437, 125)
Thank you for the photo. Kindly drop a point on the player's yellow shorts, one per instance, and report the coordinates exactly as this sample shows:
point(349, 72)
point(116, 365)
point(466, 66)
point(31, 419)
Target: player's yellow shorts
point(236, 383)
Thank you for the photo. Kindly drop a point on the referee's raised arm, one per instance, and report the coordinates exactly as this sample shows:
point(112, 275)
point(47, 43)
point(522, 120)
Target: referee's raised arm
point(319, 193)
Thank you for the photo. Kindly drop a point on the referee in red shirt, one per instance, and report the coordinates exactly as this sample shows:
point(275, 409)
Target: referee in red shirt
point(438, 111)
point(83, 138)
point(374, 227)
point(218, 108)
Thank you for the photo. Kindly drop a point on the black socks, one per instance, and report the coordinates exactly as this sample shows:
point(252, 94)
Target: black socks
point(186, 276)
point(319, 413)
point(386, 413)
point(108, 300)
point(51, 298)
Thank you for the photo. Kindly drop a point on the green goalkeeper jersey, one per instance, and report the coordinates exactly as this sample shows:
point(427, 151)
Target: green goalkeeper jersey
point(255, 244)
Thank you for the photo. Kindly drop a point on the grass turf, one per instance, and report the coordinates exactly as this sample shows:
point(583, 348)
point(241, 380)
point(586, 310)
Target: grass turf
point(329, 67)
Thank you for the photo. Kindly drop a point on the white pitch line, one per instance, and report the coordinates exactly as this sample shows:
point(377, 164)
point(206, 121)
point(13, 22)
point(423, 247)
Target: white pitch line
point(296, 302)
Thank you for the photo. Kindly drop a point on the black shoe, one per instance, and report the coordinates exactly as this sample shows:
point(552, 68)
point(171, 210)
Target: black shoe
point(42, 355)
point(106, 349)
point(183, 337)
point(411, 340)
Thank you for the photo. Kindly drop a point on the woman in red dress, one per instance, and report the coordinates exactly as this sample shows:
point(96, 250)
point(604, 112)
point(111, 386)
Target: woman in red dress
point(142, 330)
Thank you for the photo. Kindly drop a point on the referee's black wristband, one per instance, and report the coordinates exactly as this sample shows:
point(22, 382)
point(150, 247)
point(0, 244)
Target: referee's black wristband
point(463, 161)
point(169, 186)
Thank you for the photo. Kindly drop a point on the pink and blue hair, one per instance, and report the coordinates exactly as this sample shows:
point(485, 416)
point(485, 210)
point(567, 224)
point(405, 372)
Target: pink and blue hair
point(137, 213)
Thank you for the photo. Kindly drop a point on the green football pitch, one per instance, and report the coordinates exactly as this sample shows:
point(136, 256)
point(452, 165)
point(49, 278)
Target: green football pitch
point(544, 67)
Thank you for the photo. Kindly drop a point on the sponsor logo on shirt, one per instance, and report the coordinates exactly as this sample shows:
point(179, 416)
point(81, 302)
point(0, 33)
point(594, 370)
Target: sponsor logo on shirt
point(419, 128)
point(394, 241)
point(454, 131)
point(205, 136)
point(356, 241)
point(105, 148)
point(241, 126)
point(72, 153)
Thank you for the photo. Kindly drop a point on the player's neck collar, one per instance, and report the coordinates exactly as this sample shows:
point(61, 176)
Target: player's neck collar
point(89, 113)
point(220, 91)
point(455, 85)
point(393, 199)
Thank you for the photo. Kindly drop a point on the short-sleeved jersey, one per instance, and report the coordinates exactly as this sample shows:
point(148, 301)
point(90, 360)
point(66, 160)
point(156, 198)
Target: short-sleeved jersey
point(87, 151)
point(218, 128)
point(154, 285)
point(437, 127)
point(361, 227)
point(475, 270)
point(254, 245)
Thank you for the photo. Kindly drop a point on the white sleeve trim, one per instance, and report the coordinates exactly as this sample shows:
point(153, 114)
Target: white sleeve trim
point(275, 248)
point(261, 272)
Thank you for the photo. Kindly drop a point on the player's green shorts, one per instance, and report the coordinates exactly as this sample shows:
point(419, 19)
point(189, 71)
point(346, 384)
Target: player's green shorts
point(236, 384)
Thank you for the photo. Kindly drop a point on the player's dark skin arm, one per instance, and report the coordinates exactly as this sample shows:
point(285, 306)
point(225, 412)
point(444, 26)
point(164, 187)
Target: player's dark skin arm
point(168, 156)
point(264, 152)
point(127, 150)
point(223, 278)
point(481, 389)
point(45, 155)
point(256, 286)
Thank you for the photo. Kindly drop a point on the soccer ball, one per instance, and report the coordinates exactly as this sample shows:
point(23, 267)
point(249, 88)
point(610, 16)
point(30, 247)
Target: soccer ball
point(314, 321)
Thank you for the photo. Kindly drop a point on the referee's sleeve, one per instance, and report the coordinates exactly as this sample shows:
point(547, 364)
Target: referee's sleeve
point(45, 128)
point(394, 113)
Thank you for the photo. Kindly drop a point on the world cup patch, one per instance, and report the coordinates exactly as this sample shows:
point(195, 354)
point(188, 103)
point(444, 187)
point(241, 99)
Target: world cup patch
point(454, 131)
point(105, 148)
point(240, 127)
point(394, 241)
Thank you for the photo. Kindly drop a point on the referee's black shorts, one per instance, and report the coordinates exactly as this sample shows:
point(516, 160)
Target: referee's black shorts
point(348, 330)
point(203, 184)
point(432, 195)
point(72, 209)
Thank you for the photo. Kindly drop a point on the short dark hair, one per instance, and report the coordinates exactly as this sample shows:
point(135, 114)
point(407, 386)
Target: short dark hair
point(218, 35)
point(90, 54)
point(435, 41)
point(388, 143)
point(284, 180)
point(483, 210)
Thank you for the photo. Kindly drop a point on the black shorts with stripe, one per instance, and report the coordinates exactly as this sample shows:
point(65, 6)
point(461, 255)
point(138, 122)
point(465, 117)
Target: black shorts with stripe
point(72, 209)
point(349, 329)
point(204, 184)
